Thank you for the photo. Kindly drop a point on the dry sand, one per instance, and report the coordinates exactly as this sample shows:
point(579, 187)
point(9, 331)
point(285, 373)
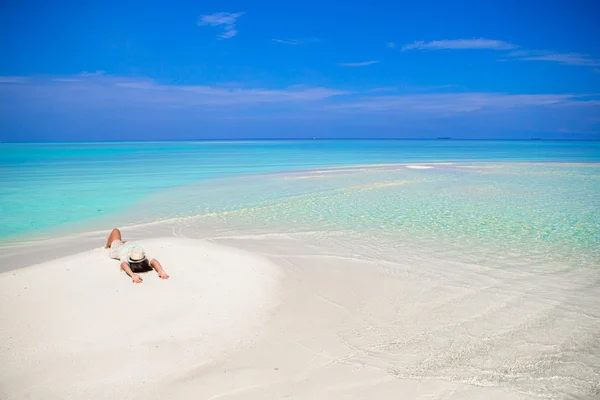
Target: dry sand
point(78, 328)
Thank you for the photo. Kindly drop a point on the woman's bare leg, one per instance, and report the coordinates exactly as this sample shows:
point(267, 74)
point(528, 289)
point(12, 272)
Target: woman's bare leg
point(114, 235)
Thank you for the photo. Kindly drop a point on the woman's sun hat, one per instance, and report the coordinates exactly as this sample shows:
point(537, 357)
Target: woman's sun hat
point(137, 255)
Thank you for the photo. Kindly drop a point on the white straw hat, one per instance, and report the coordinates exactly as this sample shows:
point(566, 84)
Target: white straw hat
point(137, 254)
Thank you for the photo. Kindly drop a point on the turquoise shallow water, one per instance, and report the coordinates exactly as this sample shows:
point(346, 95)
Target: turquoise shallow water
point(48, 186)
point(539, 212)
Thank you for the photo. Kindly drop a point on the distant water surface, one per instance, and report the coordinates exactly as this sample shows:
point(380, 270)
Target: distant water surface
point(45, 186)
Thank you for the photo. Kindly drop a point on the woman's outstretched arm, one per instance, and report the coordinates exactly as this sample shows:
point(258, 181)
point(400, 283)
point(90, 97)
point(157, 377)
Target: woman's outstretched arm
point(135, 278)
point(159, 269)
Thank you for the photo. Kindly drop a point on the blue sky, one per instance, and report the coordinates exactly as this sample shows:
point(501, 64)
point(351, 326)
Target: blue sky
point(132, 70)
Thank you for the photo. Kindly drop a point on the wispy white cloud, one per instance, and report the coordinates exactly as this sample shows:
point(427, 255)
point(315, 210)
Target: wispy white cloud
point(358, 64)
point(66, 80)
point(499, 45)
point(441, 87)
point(409, 89)
point(13, 79)
point(460, 44)
point(450, 103)
point(567, 58)
point(221, 19)
point(383, 89)
point(79, 77)
point(285, 41)
point(296, 41)
point(122, 90)
point(109, 92)
point(561, 58)
point(390, 45)
point(95, 73)
point(89, 101)
point(221, 95)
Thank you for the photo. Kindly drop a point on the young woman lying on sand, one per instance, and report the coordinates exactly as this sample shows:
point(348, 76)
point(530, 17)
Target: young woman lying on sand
point(132, 256)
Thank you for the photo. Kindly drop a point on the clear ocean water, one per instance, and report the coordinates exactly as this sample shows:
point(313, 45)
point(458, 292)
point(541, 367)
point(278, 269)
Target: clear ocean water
point(62, 186)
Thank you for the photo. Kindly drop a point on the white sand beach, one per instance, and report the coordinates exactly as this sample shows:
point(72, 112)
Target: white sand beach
point(77, 327)
point(275, 316)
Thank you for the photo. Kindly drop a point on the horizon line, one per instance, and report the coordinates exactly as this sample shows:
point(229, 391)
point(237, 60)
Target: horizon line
point(444, 139)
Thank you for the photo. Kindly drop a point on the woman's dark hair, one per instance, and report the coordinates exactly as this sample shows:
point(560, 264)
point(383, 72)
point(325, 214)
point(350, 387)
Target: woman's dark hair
point(142, 266)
